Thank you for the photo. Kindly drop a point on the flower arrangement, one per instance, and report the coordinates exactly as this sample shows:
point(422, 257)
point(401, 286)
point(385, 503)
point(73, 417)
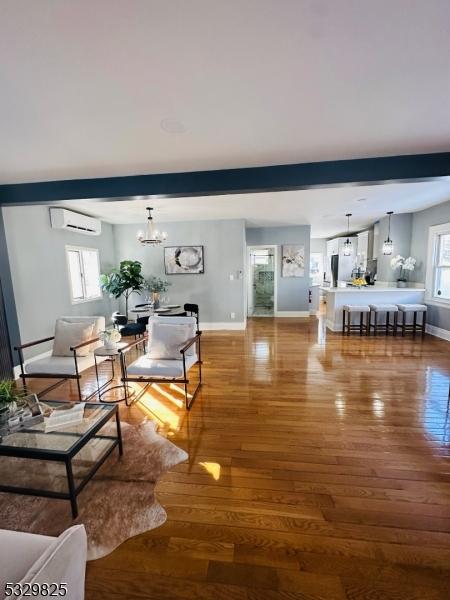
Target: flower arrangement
point(110, 337)
point(156, 284)
point(405, 265)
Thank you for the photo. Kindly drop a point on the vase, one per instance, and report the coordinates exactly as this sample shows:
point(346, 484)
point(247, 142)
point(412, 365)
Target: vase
point(401, 284)
point(155, 298)
point(110, 345)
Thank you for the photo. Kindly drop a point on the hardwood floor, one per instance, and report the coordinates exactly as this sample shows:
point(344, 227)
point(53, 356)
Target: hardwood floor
point(318, 468)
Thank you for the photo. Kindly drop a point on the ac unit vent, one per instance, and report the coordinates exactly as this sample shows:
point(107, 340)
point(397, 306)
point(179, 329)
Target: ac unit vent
point(61, 218)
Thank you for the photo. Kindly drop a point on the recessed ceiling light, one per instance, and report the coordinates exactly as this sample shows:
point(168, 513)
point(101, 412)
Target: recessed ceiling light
point(172, 126)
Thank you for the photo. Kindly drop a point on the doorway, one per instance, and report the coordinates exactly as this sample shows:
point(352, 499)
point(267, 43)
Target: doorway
point(261, 300)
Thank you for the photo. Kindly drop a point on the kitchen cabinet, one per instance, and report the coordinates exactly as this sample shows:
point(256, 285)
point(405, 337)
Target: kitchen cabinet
point(362, 249)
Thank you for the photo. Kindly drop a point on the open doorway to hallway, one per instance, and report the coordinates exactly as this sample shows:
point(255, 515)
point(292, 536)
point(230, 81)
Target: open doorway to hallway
point(261, 277)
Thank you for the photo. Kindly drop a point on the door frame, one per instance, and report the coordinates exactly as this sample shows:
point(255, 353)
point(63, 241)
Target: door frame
point(248, 289)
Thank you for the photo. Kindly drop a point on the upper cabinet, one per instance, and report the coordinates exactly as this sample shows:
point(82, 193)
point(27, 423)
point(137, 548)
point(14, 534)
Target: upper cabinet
point(362, 249)
point(333, 247)
point(376, 240)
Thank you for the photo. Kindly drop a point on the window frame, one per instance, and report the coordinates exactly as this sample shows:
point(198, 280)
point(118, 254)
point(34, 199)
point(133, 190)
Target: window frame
point(431, 297)
point(80, 250)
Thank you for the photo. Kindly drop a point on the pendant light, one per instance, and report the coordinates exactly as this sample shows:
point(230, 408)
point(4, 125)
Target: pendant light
point(151, 237)
point(388, 246)
point(348, 246)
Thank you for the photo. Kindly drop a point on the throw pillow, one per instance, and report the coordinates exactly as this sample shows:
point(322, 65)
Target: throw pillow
point(68, 335)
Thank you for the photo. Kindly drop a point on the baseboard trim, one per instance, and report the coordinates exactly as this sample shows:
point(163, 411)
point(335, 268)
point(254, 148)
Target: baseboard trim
point(28, 360)
point(222, 326)
point(292, 313)
point(444, 334)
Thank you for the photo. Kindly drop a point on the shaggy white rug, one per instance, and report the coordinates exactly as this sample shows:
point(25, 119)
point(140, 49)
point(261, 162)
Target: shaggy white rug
point(116, 504)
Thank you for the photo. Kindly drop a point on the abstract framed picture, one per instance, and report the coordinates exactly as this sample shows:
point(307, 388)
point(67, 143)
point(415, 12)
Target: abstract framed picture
point(293, 260)
point(184, 260)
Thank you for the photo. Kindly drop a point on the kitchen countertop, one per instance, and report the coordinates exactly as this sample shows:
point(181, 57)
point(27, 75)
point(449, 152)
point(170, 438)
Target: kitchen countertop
point(370, 288)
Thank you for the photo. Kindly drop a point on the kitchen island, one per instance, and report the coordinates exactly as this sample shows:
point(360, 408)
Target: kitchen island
point(337, 297)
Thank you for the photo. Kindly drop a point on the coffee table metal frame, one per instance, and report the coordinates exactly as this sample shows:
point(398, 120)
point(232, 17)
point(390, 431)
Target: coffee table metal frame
point(66, 457)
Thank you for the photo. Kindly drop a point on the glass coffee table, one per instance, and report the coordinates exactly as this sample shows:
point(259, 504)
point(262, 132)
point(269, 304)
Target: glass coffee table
point(75, 453)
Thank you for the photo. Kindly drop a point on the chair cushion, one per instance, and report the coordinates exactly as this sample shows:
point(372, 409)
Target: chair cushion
point(384, 307)
point(412, 307)
point(61, 365)
point(356, 308)
point(145, 366)
point(71, 334)
point(132, 329)
point(18, 552)
point(191, 322)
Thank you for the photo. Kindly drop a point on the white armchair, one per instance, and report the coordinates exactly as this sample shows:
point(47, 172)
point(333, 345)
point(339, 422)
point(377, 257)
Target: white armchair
point(27, 558)
point(173, 348)
point(72, 353)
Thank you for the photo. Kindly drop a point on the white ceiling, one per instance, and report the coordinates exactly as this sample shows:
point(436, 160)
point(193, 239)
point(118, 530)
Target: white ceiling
point(324, 209)
point(88, 84)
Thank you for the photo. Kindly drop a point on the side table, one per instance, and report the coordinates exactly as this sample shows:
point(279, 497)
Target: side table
point(105, 388)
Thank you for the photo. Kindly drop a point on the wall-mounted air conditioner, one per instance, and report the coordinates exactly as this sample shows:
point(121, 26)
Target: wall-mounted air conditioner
point(61, 218)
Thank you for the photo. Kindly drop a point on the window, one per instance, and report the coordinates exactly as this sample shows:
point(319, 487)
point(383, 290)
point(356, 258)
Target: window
point(316, 268)
point(438, 269)
point(84, 273)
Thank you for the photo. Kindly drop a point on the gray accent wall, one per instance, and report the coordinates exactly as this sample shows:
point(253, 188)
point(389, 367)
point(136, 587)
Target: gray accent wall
point(401, 227)
point(438, 316)
point(39, 271)
point(8, 292)
point(292, 292)
point(224, 251)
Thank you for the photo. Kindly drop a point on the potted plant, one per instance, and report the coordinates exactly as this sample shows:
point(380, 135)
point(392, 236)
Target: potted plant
point(110, 337)
point(405, 265)
point(156, 285)
point(124, 281)
point(9, 398)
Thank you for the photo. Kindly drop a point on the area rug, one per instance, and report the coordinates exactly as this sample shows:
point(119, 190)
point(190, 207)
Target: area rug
point(118, 503)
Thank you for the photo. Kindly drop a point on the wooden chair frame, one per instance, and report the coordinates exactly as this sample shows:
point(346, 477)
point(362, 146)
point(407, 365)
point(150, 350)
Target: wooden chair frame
point(61, 377)
point(149, 380)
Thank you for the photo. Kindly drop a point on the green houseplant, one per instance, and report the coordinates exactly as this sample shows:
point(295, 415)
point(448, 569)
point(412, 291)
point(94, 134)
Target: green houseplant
point(9, 397)
point(156, 285)
point(124, 281)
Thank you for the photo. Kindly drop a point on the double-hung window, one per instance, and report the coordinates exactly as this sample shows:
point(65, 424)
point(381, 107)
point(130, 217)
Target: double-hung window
point(438, 268)
point(84, 273)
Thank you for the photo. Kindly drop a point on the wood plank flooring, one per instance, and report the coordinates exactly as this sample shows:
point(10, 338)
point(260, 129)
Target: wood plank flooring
point(319, 468)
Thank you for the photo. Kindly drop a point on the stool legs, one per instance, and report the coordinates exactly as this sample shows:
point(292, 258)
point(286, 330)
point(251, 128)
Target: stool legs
point(424, 323)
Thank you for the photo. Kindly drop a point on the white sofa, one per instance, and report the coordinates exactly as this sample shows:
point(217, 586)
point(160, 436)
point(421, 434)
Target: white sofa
point(30, 558)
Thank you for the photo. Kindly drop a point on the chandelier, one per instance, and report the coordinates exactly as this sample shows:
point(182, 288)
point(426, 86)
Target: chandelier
point(151, 236)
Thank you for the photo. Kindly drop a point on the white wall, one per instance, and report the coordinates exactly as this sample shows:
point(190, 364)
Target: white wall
point(39, 271)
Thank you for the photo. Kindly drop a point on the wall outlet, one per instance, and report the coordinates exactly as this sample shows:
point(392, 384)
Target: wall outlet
point(233, 315)
point(231, 277)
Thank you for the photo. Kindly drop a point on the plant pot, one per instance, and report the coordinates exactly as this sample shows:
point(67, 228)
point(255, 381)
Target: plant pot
point(4, 415)
point(401, 283)
point(155, 298)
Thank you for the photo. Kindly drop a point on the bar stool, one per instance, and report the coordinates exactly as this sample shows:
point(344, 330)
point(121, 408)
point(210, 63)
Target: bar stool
point(376, 309)
point(414, 326)
point(351, 309)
